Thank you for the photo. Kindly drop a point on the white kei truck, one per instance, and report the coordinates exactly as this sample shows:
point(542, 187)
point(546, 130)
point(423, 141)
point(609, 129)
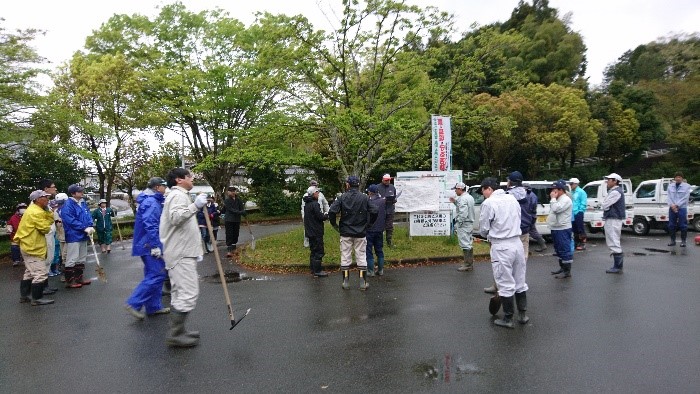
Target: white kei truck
point(596, 192)
point(541, 190)
point(651, 207)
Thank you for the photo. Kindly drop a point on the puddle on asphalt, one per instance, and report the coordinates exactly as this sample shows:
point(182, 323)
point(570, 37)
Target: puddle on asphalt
point(449, 367)
point(234, 276)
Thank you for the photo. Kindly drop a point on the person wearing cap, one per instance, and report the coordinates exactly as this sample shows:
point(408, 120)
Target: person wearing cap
point(233, 209)
point(49, 187)
point(356, 216)
point(322, 201)
point(579, 199)
point(388, 192)
point(559, 221)
point(499, 222)
point(102, 215)
point(464, 224)
point(78, 226)
point(313, 228)
point(31, 236)
point(614, 215)
point(182, 250)
point(146, 244)
point(678, 196)
point(60, 200)
point(375, 234)
point(11, 227)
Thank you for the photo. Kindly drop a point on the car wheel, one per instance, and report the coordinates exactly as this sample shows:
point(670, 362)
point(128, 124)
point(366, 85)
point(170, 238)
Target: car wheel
point(696, 223)
point(640, 226)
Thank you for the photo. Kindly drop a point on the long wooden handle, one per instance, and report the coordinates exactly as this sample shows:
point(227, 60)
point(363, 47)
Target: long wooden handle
point(219, 266)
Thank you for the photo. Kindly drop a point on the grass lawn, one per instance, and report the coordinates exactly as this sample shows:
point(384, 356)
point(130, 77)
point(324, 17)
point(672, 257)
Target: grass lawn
point(285, 251)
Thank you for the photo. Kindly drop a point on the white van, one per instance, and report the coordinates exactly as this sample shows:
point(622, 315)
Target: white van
point(596, 192)
point(541, 190)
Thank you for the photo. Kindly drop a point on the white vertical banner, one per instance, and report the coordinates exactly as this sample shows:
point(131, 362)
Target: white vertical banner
point(442, 143)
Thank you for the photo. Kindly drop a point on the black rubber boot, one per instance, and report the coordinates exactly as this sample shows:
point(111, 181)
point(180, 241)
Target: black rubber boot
point(561, 269)
point(177, 337)
point(167, 286)
point(78, 275)
point(684, 236)
point(363, 281)
point(521, 303)
point(566, 273)
point(673, 239)
point(38, 293)
point(25, 289)
point(346, 279)
point(468, 264)
point(48, 290)
point(617, 264)
point(508, 308)
point(541, 245)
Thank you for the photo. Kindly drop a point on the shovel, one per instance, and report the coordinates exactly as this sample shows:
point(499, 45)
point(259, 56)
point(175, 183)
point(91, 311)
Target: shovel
point(121, 241)
point(234, 323)
point(100, 271)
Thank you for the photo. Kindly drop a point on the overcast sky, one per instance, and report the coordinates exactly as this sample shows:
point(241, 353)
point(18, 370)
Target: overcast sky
point(609, 27)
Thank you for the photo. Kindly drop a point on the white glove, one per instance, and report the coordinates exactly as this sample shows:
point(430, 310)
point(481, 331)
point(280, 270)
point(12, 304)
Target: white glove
point(200, 201)
point(199, 259)
point(155, 252)
point(89, 230)
point(8, 228)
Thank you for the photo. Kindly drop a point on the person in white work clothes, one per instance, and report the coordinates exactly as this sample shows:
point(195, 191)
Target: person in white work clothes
point(499, 222)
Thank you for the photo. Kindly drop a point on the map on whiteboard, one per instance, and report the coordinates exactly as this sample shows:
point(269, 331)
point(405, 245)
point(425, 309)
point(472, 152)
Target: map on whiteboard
point(425, 190)
point(422, 194)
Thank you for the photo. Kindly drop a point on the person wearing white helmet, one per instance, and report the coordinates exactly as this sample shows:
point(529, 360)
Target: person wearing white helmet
point(614, 215)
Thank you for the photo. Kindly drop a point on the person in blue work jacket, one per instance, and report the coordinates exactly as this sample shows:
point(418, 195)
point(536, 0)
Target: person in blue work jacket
point(147, 245)
point(78, 226)
point(579, 198)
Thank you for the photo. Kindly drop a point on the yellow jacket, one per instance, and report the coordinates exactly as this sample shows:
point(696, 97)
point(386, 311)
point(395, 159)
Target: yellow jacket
point(36, 222)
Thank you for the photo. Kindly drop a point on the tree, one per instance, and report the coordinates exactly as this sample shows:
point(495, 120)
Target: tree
point(559, 125)
point(208, 75)
point(619, 132)
point(21, 171)
point(553, 52)
point(135, 157)
point(99, 106)
point(361, 88)
point(18, 88)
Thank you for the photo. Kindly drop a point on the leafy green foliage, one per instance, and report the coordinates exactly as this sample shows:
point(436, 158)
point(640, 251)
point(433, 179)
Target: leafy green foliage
point(21, 172)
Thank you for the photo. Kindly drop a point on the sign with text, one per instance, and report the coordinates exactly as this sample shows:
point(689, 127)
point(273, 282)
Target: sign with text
point(425, 190)
point(429, 224)
point(442, 143)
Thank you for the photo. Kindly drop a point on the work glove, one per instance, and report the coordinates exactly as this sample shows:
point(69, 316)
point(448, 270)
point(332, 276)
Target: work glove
point(199, 259)
point(8, 228)
point(155, 252)
point(200, 201)
point(89, 230)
